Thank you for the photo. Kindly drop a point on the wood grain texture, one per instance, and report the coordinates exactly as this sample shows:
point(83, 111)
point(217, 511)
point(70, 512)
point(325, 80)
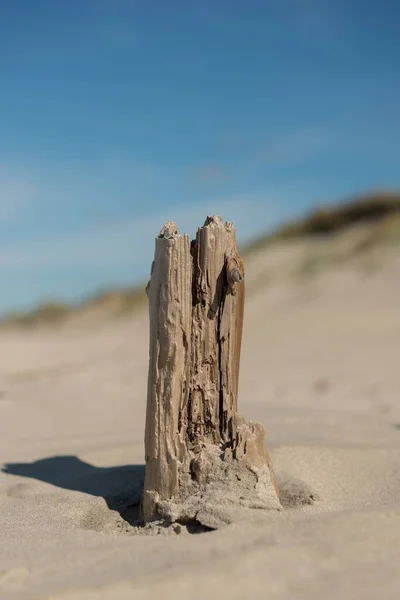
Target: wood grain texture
point(200, 453)
point(170, 308)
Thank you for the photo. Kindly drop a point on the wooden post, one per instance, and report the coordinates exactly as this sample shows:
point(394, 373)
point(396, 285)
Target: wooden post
point(204, 463)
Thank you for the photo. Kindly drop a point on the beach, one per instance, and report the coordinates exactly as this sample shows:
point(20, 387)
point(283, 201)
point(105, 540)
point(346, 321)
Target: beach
point(320, 369)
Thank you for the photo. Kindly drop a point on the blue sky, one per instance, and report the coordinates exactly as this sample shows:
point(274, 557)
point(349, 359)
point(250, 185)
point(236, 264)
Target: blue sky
point(117, 115)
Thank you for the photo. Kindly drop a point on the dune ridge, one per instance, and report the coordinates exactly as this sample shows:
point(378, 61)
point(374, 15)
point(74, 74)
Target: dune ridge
point(320, 368)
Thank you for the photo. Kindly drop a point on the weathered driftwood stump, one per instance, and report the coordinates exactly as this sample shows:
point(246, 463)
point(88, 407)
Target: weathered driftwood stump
point(204, 462)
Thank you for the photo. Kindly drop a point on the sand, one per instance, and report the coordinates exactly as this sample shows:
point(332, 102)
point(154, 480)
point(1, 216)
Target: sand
point(321, 370)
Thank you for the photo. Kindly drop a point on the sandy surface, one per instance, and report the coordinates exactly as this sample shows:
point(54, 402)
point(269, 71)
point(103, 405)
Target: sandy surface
point(320, 368)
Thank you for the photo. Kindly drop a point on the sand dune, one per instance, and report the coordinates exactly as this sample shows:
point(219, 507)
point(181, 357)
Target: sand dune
point(320, 369)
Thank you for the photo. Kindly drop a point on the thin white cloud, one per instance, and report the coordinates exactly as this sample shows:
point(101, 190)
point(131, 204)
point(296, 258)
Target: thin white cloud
point(87, 190)
point(15, 194)
point(297, 146)
point(128, 242)
point(67, 193)
point(131, 241)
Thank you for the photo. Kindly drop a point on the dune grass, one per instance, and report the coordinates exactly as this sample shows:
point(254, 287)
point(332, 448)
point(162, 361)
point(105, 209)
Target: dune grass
point(332, 219)
point(382, 210)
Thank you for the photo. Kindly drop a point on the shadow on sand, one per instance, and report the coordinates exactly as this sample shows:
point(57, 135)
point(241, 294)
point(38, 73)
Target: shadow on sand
point(121, 487)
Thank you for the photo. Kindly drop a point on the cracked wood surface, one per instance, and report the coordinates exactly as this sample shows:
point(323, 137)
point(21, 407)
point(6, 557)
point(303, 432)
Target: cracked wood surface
point(193, 430)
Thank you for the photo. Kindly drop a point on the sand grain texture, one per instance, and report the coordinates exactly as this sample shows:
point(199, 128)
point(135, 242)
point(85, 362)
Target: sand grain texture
point(320, 369)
